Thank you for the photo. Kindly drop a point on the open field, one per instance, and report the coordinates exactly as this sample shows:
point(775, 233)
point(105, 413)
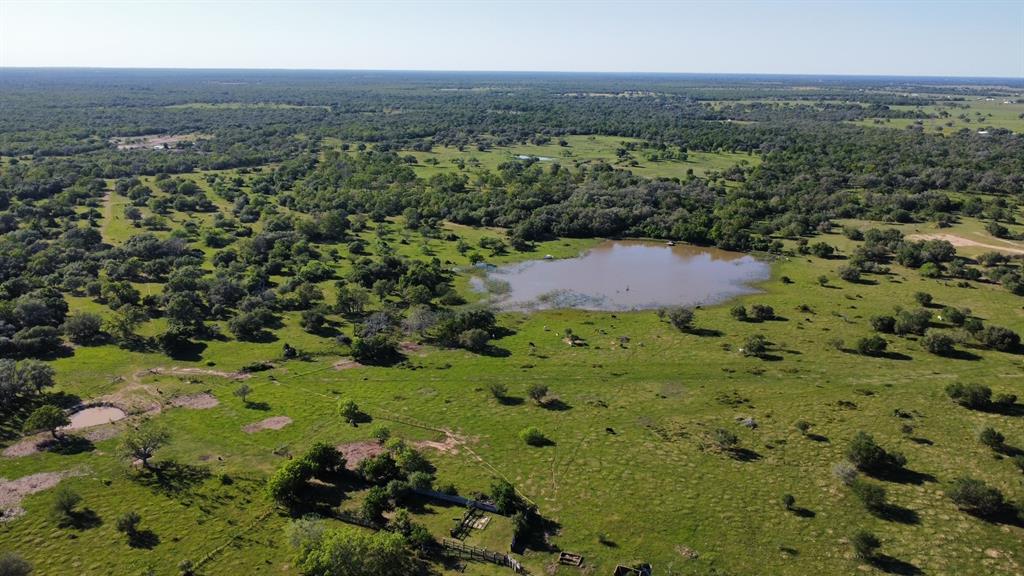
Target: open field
point(979, 114)
point(632, 420)
point(580, 150)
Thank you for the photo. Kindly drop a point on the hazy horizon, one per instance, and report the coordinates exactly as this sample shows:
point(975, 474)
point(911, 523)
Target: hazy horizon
point(900, 39)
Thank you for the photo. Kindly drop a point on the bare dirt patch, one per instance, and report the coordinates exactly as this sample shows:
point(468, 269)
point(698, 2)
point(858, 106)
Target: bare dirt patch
point(153, 140)
point(26, 447)
point(356, 452)
point(961, 241)
point(202, 401)
point(12, 492)
point(346, 365)
point(272, 423)
point(449, 446)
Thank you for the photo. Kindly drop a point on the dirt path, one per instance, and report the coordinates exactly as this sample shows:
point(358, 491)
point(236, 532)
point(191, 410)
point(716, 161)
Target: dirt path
point(961, 241)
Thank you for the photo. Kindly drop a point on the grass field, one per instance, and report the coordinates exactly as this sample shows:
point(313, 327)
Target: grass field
point(580, 150)
point(627, 478)
point(980, 113)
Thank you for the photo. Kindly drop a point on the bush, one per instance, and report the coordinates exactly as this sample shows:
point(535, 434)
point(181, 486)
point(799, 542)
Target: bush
point(845, 472)
point(868, 456)
point(915, 322)
point(724, 439)
point(939, 344)
point(974, 396)
point(46, 417)
point(872, 345)
point(681, 317)
point(872, 496)
point(64, 503)
point(975, 496)
point(83, 327)
point(498, 390)
point(788, 501)
point(738, 312)
point(802, 426)
point(954, 316)
point(376, 503)
point(991, 437)
point(755, 346)
point(762, 312)
point(850, 273)
point(865, 545)
point(14, 565)
point(537, 392)
point(128, 523)
point(349, 411)
point(474, 339)
point(376, 349)
point(883, 324)
point(923, 298)
point(505, 497)
point(999, 338)
point(533, 436)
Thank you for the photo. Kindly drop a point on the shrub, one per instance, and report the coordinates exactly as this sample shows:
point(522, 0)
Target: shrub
point(865, 545)
point(537, 392)
point(12, 564)
point(474, 339)
point(923, 298)
point(64, 503)
point(991, 437)
point(83, 327)
point(505, 497)
point(845, 472)
point(788, 501)
point(915, 322)
point(939, 344)
point(349, 411)
point(1018, 461)
point(738, 312)
point(954, 316)
point(375, 504)
point(872, 345)
point(762, 312)
point(756, 346)
point(883, 324)
point(868, 456)
point(724, 439)
point(871, 495)
point(850, 273)
point(376, 349)
point(533, 436)
point(999, 338)
point(802, 426)
point(974, 396)
point(128, 523)
point(975, 496)
point(498, 390)
point(681, 317)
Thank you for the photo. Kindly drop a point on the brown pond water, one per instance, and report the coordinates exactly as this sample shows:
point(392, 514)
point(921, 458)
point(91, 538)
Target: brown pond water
point(625, 275)
point(94, 417)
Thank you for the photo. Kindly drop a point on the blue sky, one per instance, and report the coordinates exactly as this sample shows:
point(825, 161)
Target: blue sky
point(810, 37)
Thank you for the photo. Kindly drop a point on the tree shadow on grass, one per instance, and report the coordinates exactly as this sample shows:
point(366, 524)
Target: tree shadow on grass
point(894, 513)
point(705, 332)
point(84, 519)
point(511, 400)
point(962, 355)
point(69, 445)
point(189, 351)
point(891, 565)
point(145, 539)
point(555, 405)
point(744, 455)
point(261, 406)
point(817, 437)
point(903, 476)
point(493, 351)
point(893, 356)
point(801, 512)
point(171, 477)
point(921, 441)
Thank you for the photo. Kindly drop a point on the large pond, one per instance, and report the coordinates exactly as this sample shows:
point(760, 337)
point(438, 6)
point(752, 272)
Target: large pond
point(624, 275)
